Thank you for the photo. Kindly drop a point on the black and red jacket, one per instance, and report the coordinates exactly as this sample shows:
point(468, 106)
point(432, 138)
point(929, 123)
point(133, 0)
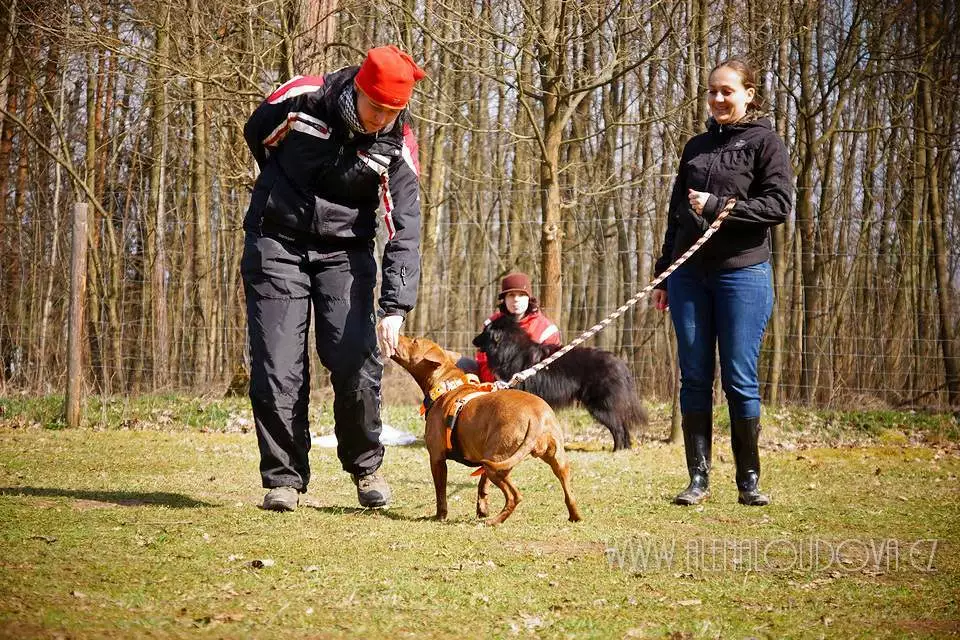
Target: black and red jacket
point(747, 161)
point(321, 182)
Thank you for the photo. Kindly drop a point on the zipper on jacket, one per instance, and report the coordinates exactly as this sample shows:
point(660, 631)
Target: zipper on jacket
point(716, 159)
point(403, 275)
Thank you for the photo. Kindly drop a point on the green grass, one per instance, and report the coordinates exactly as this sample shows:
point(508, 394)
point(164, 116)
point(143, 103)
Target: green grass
point(145, 523)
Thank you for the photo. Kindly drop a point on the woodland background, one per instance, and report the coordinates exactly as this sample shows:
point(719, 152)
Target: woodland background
point(549, 134)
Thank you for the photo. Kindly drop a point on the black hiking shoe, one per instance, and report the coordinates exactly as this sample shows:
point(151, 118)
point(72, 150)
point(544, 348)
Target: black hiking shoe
point(281, 499)
point(373, 492)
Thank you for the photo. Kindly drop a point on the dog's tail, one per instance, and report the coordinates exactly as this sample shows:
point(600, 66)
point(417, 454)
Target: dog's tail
point(638, 420)
point(638, 413)
point(529, 440)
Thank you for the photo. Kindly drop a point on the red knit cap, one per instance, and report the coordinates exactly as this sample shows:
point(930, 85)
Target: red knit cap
point(515, 282)
point(387, 76)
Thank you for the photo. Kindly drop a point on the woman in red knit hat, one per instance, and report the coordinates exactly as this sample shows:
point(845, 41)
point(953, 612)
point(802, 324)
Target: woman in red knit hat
point(336, 155)
point(516, 298)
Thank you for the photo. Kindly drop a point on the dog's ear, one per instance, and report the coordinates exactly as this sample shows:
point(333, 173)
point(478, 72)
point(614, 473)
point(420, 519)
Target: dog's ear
point(436, 355)
point(480, 339)
point(489, 336)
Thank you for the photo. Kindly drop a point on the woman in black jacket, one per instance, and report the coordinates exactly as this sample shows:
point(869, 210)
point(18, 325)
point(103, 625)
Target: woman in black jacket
point(722, 297)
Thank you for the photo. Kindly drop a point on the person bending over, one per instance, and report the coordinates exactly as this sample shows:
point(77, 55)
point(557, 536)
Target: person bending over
point(337, 156)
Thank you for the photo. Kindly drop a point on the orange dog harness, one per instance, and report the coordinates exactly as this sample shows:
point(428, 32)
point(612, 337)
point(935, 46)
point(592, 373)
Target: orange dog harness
point(450, 420)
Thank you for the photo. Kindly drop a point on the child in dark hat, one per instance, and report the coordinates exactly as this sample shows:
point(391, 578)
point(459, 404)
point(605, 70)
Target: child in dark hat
point(516, 298)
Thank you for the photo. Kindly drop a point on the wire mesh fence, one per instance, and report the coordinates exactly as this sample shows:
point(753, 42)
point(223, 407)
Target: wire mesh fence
point(874, 340)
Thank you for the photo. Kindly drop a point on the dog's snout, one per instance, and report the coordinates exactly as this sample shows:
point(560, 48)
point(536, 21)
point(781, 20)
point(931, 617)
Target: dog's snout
point(404, 347)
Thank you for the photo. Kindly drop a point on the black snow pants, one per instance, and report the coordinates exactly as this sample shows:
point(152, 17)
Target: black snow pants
point(284, 282)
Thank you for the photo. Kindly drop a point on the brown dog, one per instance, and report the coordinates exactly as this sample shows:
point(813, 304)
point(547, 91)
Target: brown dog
point(494, 429)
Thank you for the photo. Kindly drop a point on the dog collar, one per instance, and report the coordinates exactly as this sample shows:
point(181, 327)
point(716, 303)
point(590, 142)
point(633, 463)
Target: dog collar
point(446, 387)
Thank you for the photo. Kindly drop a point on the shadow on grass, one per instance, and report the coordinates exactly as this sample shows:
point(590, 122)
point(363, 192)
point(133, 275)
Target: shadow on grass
point(394, 515)
point(122, 498)
point(452, 489)
point(360, 511)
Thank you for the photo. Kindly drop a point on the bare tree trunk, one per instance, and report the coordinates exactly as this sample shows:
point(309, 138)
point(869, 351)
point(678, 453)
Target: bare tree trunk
point(74, 391)
point(290, 24)
point(928, 144)
point(676, 417)
point(702, 58)
point(428, 307)
point(691, 74)
point(317, 31)
point(806, 213)
point(155, 302)
point(11, 71)
point(586, 293)
point(910, 308)
point(45, 318)
point(17, 254)
point(828, 253)
point(460, 240)
point(112, 272)
point(551, 240)
point(520, 211)
point(612, 110)
point(202, 267)
point(779, 235)
point(94, 285)
point(872, 265)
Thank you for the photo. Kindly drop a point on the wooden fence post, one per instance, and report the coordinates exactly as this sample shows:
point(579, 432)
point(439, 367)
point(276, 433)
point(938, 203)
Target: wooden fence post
point(78, 288)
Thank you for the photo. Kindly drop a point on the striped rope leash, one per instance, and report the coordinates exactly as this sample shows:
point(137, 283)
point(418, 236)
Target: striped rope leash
point(520, 376)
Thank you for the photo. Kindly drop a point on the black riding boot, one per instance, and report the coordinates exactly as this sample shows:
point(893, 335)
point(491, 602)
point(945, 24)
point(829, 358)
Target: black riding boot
point(744, 433)
point(697, 444)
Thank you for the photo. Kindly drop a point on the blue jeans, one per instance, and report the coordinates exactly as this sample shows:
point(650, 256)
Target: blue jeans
point(726, 309)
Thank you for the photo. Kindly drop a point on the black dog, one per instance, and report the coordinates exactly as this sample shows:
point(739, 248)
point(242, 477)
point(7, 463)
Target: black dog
point(595, 378)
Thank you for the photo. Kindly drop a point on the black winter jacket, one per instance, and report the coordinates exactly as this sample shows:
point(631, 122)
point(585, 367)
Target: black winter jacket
point(320, 182)
point(746, 161)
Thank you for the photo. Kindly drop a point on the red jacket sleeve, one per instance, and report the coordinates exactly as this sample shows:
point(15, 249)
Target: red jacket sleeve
point(553, 338)
point(483, 368)
point(541, 329)
point(484, 372)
